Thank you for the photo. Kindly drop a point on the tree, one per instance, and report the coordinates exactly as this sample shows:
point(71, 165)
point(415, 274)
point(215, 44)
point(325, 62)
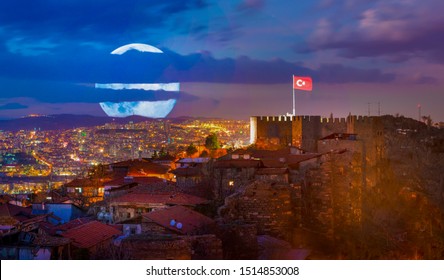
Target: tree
point(155, 155)
point(204, 154)
point(211, 142)
point(427, 120)
point(162, 153)
point(191, 150)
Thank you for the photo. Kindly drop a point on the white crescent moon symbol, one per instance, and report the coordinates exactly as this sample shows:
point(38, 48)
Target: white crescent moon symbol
point(300, 83)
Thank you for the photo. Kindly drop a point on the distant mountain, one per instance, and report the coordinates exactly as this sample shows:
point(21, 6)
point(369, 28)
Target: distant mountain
point(65, 121)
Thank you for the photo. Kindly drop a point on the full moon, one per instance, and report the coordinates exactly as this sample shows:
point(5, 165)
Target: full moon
point(150, 109)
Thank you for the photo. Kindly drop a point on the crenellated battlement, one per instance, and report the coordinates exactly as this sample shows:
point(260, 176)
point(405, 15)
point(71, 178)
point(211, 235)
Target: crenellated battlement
point(333, 120)
point(304, 131)
point(317, 119)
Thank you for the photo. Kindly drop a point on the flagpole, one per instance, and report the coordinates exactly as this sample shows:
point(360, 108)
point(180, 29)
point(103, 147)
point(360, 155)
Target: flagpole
point(294, 104)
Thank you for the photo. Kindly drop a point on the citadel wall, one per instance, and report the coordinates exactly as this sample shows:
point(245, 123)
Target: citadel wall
point(273, 132)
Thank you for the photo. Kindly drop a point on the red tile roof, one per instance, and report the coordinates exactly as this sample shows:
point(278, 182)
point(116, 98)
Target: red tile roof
point(266, 158)
point(190, 220)
point(90, 234)
point(273, 162)
point(270, 154)
point(71, 224)
point(83, 183)
point(142, 167)
point(51, 241)
point(17, 212)
point(161, 198)
point(295, 159)
point(140, 180)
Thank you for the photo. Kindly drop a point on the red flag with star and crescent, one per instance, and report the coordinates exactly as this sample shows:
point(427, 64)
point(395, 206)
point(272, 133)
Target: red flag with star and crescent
point(302, 83)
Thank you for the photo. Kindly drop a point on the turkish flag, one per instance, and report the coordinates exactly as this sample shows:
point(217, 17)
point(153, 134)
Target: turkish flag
point(302, 83)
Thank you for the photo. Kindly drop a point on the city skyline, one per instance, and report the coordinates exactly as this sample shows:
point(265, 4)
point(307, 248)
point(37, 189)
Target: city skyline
point(233, 59)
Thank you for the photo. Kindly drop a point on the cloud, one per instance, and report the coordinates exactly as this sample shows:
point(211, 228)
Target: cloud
point(180, 6)
point(20, 45)
point(61, 77)
point(394, 30)
point(422, 79)
point(57, 92)
point(248, 5)
point(148, 87)
point(90, 20)
point(12, 106)
point(339, 74)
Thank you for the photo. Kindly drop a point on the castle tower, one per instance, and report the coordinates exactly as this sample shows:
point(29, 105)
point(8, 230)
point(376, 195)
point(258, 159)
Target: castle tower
point(274, 132)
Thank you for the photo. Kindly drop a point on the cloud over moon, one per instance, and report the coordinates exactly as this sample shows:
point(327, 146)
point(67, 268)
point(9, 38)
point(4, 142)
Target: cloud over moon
point(149, 109)
point(136, 46)
point(118, 86)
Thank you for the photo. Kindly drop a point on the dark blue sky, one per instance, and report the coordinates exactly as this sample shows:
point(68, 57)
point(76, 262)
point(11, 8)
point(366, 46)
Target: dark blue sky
point(233, 58)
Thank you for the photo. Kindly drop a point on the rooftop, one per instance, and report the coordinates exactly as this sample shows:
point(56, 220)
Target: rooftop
point(237, 163)
point(141, 167)
point(71, 224)
point(127, 180)
point(175, 198)
point(90, 234)
point(193, 160)
point(16, 212)
point(189, 221)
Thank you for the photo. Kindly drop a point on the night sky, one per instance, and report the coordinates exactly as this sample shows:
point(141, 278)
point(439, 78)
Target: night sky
point(233, 59)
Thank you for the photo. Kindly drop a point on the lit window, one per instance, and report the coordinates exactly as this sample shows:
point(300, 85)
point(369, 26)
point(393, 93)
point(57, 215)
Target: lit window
point(231, 183)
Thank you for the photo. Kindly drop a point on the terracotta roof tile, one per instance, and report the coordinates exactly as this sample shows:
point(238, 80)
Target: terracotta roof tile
point(165, 198)
point(140, 180)
point(273, 163)
point(17, 212)
point(90, 234)
point(71, 224)
point(46, 240)
point(79, 183)
point(295, 159)
point(142, 167)
point(190, 220)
